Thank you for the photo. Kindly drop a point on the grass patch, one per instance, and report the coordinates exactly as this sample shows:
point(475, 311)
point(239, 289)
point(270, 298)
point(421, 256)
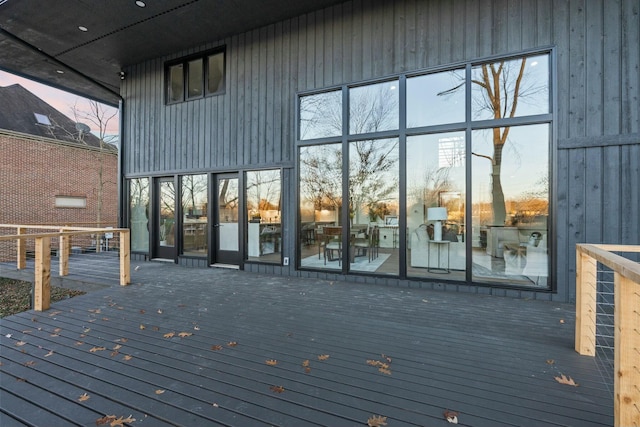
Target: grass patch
point(15, 296)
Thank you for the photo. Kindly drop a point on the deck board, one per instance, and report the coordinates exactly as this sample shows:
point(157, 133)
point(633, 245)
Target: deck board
point(491, 359)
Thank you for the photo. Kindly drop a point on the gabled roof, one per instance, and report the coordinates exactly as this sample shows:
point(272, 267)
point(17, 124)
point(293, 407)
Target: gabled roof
point(81, 46)
point(22, 111)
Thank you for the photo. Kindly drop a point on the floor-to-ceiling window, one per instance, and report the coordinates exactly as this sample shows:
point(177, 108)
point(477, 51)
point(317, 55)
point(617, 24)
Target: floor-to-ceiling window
point(195, 190)
point(139, 214)
point(264, 215)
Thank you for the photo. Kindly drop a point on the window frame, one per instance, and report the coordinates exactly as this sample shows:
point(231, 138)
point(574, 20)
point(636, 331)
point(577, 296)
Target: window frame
point(185, 61)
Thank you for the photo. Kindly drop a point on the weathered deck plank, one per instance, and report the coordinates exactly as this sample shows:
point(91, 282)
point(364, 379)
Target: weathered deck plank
point(491, 359)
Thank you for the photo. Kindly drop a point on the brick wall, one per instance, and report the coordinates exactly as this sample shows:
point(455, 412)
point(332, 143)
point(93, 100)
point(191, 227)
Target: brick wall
point(33, 171)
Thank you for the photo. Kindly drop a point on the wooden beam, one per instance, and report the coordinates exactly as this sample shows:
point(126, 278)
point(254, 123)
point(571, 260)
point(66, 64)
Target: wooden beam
point(63, 254)
point(586, 293)
point(627, 352)
point(42, 284)
point(125, 258)
point(21, 248)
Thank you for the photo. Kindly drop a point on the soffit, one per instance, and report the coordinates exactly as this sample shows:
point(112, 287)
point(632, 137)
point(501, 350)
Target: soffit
point(40, 38)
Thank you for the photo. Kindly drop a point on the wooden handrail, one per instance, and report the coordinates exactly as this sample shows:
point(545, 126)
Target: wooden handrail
point(626, 321)
point(42, 280)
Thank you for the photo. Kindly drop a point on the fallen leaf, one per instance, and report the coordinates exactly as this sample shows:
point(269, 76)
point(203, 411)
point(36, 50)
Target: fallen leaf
point(377, 421)
point(561, 320)
point(95, 349)
point(232, 344)
point(123, 340)
point(425, 300)
point(156, 328)
point(271, 362)
point(127, 357)
point(25, 332)
point(79, 343)
point(96, 311)
point(29, 363)
point(105, 420)
point(105, 319)
point(54, 335)
point(307, 370)
point(169, 335)
point(49, 354)
point(92, 320)
point(306, 363)
point(159, 391)
point(21, 380)
point(564, 380)
point(83, 397)
point(196, 328)
point(117, 347)
point(451, 416)
point(120, 421)
point(276, 388)
point(550, 362)
point(142, 327)
point(20, 343)
point(159, 311)
point(54, 313)
point(184, 334)
point(8, 335)
point(387, 358)
point(57, 330)
point(216, 347)
point(385, 371)
point(142, 311)
point(323, 357)
point(215, 405)
point(86, 331)
point(137, 268)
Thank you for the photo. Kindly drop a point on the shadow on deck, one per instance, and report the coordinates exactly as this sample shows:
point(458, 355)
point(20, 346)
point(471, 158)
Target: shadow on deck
point(493, 360)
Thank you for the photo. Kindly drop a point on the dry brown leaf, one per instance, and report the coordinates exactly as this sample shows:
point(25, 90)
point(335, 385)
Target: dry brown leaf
point(271, 362)
point(54, 335)
point(94, 349)
point(377, 421)
point(83, 397)
point(306, 363)
point(96, 311)
point(169, 335)
point(323, 357)
point(142, 327)
point(105, 420)
point(120, 421)
point(216, 347)
point(184, 334)
point(564, 380)
point(561, 320)
point(451, 416)
point(57, 330)
point(142, 311)
point(373, 362)
point(105, 319)
point(115, 353)
point(49, 354)
point(159, 391)
point(117, 347)
point(92, 320)
point(156, 328)
point(29, 363)
point(385, 371)
point(232, 344)
point(127, 357)
point(79, 343)
point(122, 340)
point(20, 343)
point(307, 370)
point(54, 313)
point(550, 362)
point(21, 380)
point(387, 358)
point(276, 388)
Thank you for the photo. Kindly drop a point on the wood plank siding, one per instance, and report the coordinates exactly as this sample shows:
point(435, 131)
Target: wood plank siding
point(596, 144)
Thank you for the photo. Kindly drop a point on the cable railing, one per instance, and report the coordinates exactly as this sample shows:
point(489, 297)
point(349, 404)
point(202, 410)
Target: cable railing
point(608, 320)
point(40, 241)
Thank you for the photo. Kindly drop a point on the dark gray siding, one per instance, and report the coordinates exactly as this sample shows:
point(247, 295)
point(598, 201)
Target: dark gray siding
point(597, 160)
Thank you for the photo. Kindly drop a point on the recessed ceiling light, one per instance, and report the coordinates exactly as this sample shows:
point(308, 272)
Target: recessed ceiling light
point(59, 71)
point(81, 28)
point(140, 3)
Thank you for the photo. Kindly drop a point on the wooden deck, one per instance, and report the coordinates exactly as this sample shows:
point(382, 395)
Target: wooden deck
point(493, 360)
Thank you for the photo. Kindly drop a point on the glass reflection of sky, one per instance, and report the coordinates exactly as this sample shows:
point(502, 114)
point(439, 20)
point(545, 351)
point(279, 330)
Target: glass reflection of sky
point(374, 108)
point(321, 115)
point(525, 161)
point(435, 99)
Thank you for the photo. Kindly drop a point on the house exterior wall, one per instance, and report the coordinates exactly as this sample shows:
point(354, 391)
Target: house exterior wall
point(35, 170)
point(596, 147)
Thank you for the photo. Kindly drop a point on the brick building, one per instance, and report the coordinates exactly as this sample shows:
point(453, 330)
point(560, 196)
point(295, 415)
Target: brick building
point(50, 171)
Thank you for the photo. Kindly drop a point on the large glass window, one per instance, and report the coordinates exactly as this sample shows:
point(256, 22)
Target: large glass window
point(263, 201)
point(195, 73)
point(195, 190)
point(436, 205)
point(321, 206)
point(374, 108)
point(374, 235)
point(449, 138)
point(139, 214)
point(436, 99)
point(321, 115)
point(510, 176)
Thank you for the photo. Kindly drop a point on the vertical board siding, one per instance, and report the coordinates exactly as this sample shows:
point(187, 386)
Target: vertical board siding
point(253, 122)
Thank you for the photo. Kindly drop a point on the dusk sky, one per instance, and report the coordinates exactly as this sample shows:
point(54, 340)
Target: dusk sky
point(60, 100)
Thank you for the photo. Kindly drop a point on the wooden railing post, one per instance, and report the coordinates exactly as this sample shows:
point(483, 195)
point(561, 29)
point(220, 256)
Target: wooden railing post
point(42, 285)
point(627, 352)
point(63, 254)
point(125, 258)
point(21, 248)
point(586, 293)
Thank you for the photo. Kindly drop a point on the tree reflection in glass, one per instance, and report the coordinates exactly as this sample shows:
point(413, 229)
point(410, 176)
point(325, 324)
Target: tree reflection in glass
point(321, 115)
point(374, 108)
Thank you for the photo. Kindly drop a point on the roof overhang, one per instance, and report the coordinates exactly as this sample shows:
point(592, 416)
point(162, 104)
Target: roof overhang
point(43, 41)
